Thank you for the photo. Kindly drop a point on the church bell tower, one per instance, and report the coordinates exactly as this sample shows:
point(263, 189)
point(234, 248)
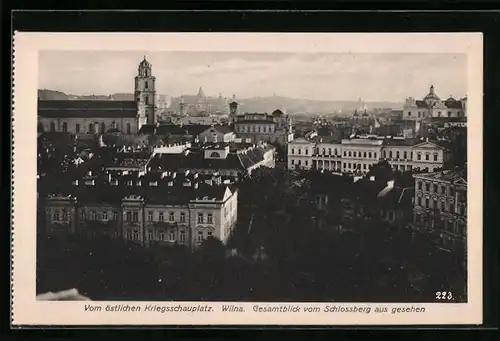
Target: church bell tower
point(145, 93)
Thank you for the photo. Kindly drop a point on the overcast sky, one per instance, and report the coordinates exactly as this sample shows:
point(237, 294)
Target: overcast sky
point(373, 77)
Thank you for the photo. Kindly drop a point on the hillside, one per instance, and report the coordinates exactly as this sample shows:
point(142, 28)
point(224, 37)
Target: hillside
point(253, 104)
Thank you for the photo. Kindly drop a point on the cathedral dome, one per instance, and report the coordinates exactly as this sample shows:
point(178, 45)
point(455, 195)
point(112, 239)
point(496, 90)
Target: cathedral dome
point(278, 112)
point(432, 95)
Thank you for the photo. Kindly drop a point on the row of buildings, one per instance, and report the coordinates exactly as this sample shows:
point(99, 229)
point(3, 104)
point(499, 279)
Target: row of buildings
point(181, 193)
point(164, 208)
point(139, 117)
point(359, 153)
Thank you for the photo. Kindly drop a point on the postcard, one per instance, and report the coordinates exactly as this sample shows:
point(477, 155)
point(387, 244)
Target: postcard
point(247, 179)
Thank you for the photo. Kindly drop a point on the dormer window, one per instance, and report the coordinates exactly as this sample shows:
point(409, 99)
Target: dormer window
point(75, 182)
point(114, 182)
point(90, 182)
point(138, 183)
point(129, 183)
point(153, 183)
point(170, 184)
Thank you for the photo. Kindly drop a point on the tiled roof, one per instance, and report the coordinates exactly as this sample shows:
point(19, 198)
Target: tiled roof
point(446, 175)
point(84, 108)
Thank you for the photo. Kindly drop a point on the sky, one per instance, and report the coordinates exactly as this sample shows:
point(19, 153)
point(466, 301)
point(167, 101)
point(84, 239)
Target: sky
point(317, 76)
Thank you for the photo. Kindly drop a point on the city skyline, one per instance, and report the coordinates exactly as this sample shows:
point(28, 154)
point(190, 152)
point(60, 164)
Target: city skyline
point(319, 76)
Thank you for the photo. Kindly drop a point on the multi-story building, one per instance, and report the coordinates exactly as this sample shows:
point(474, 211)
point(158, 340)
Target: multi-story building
point(300, 152)
point(432, 106)
point(89, 117)
point(441, 205)
point(274, 128)
point(358, 155)
point(153, 208)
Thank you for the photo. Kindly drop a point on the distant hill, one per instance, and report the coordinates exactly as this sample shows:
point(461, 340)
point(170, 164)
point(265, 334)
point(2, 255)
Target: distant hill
point(45, 94)
point(294, 105)
point(253, 104)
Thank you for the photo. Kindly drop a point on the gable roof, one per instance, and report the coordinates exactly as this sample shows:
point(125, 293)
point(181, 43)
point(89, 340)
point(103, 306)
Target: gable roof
point(86, 108)
point(428, 144)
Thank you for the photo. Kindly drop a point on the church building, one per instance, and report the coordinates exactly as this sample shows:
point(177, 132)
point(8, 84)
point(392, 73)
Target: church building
point(100, 116)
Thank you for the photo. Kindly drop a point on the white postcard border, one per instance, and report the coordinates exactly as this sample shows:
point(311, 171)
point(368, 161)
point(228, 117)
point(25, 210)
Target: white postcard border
point(27, 311)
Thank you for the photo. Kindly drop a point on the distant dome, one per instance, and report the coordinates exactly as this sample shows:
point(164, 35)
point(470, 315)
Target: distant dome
point(278, 112)
point(432, 95)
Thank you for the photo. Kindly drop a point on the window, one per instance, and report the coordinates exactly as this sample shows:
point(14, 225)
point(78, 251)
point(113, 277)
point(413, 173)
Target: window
point(150, 216)
point(113, 125)
point(171, 216)
point(77, 128)
point(150, 235)
point(160, 216)
point(135, 216)
point(427, 204)
point(452, 192)
point(435, 188)
point(307, 151)
point(350, 154)
point(299, 162)
point(427, 186)
point(128, 128)
point(427, 157)
point(384, 154)
point(306, 162)
point(91, 128)
point(449, 113)
point(364, 154)
point(435, 157)
point(210, 233)
point(443, 206)
point(64, 127)
point(419, 201)
point(115, 216)
point(390, 154)
point(92, 215)
point(375, 155)
point(162, 235)
point(129, 216)
point(183, 217)
point(329, 151)
point(210, 218)
point(300, 151)
point(200, 218)
point(405, 155)
point(145, 84)
point(370, 155)
point(411, 155)
point(345, 153)
point(52, 126)
point(293, 162)
point(397, 154)
point(56, 215)
point(103, 127)
point(293, 151)
point(199, 237)
point(172, 236)
point(182, 236)
point(419, 156)
point(354, 154)
point(128, 235)
point(146, 100)
point(104, 215)
point(451, 208)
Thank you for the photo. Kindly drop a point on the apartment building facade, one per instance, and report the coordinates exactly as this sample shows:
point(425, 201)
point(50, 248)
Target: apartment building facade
point(358, 155)
point(440, 206)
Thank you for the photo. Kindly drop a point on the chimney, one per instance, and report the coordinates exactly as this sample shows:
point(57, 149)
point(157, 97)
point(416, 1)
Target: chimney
point(372, 178)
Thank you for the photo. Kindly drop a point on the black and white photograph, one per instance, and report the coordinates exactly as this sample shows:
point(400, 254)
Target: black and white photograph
point(252, 180)
point(200, 176)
